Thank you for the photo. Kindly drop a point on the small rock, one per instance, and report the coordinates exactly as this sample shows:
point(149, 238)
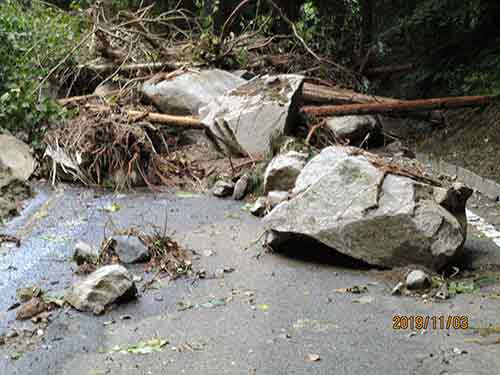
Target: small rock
point(2, 340)
point(443, 292)
point(130, 249)
point(85, 253)
point(355, 128)
point(397, 289)
point(223, 189)
point(312, 357)
point(241, 187)
point(418, 280)
point(103, 287)
point(259, 207)
point(283, 170)
point(276, 197)
point(31, 308)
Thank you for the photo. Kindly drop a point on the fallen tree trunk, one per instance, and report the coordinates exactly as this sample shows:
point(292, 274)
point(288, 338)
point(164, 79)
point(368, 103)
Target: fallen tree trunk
point(397, 107)
point(319, 94)
point(159, 118)
point(323, 94)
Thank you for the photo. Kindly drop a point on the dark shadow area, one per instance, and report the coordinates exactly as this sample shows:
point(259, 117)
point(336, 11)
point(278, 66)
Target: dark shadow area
point(304, 249)
point(476, 255)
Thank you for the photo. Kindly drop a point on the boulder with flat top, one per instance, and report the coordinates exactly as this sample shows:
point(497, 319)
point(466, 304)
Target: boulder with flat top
point(385, 216)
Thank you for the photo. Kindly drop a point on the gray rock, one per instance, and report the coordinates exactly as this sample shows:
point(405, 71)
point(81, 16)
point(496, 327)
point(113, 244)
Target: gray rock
point(276, 197)
point(101, 288)
point(186, 93)
point(418, 280)
point(130, 249)
point(340, 201)
point(248, 119)
point(241, 187)
point(16, 161)
point(354, 128)
point(85, 253)
point(283, 170)
point(259, 208)
point(223, 189)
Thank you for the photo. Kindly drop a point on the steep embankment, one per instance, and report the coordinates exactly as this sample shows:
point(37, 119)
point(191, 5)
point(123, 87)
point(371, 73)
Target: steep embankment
point(471, 140)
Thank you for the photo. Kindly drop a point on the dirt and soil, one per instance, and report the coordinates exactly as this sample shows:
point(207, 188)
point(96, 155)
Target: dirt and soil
point(470, 140)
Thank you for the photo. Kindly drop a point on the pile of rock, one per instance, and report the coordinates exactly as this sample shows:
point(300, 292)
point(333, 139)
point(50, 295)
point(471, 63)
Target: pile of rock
point(108, 284)
point(349, 201)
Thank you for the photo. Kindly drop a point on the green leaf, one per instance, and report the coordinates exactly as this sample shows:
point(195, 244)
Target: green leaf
point(185, 194)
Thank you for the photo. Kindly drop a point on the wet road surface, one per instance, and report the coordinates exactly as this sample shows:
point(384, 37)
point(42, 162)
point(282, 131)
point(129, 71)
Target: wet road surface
point(279, 308)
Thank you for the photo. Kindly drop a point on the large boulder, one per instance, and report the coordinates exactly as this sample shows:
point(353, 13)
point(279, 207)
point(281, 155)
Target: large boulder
point(247, 120)
point(16, 161)
point(186, 93)
point(343, 200)
point(283, 170)
point(355, 128)
point(101, 288)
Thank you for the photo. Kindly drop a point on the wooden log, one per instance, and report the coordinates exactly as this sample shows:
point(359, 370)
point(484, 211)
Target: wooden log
point(397, 107)
point(159, 118)
point(312, 93)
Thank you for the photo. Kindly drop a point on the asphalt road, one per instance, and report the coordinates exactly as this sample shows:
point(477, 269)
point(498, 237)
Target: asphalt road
point(279, 308)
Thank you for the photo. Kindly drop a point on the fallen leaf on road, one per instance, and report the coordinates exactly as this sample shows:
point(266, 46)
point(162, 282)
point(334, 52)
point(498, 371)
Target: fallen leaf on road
point(364, 300)
point(143, 347)
point(462, 287)
point(16, 355)
point(354, 289)
point(317, 325)
point(483, 342)
point(263, 306)
point(113, 207)
point(214, 303)
point(185, 194)
point(183, 306)
point(312, 357)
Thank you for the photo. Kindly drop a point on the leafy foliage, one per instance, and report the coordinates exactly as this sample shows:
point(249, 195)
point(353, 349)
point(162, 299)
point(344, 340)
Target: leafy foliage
point(33, 39)
point(454, 43)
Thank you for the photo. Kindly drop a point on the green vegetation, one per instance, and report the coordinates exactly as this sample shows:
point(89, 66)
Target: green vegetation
point(33, 39)
point(454, 44)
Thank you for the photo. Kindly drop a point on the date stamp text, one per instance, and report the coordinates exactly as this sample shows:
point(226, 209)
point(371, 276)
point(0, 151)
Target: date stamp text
point(441, 322)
